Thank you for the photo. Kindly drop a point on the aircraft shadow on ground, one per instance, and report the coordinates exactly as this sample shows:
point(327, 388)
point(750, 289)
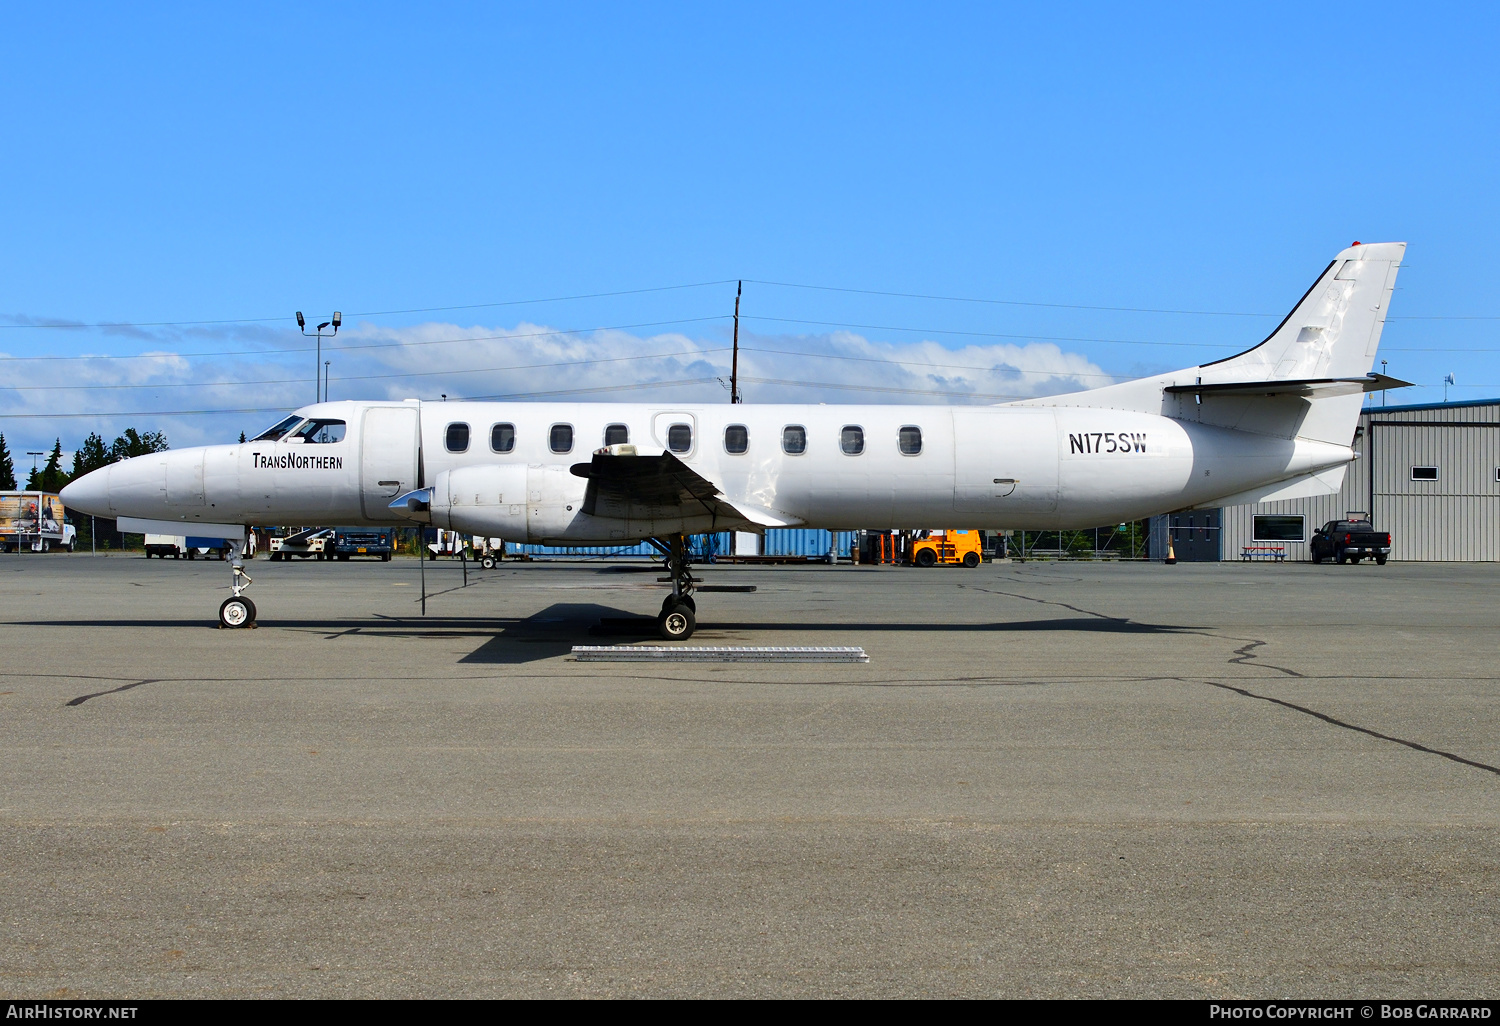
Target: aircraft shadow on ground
point(553, 631)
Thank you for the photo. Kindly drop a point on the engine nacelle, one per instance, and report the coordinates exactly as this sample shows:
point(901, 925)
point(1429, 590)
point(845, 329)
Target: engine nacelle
point(490, 501)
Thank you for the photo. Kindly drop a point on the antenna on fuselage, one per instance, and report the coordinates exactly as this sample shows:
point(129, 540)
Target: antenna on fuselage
point(734, 366)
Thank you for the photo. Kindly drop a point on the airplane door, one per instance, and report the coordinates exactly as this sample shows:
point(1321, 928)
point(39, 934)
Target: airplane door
point(1004, 461)
point(387, 459)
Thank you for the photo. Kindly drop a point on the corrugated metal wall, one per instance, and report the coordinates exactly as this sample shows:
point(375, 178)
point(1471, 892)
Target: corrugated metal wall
point(779, 542)
point(1456, 517)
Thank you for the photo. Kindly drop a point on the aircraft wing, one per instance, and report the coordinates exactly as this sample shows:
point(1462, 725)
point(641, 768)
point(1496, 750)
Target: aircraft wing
point(663, 487)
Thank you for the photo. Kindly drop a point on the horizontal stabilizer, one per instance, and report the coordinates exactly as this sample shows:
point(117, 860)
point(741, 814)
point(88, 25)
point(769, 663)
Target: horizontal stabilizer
point(1307, 387)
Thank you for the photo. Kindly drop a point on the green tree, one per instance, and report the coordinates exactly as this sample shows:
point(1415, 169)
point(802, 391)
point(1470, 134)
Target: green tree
point(90, 456)
point(134, 443)
point(242, 436)
point(52, 477)
point(7, 467)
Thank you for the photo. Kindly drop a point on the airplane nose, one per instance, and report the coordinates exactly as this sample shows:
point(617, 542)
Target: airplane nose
point(89, 494)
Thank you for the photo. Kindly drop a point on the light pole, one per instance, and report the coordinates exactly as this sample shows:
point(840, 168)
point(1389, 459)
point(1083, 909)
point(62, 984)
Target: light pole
point(338, 320)
point(34, 478)
point(1384, 392)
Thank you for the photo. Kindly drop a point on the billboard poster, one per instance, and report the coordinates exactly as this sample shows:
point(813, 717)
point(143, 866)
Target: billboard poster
point(21, 511)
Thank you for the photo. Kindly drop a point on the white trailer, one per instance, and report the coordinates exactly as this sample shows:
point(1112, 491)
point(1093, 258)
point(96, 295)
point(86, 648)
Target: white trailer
point(34, 521)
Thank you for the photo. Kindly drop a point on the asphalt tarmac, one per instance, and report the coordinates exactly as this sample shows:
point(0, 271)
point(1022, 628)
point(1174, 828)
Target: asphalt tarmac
point(1094, 780)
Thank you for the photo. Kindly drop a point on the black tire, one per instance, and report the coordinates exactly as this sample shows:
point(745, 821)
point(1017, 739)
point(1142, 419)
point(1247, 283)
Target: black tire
point(385, 557)
point(236, 612)
point(1317, 557)
point(926, 558)
point(672, 601)
point(1380, 560)
point(1340, 559)
point(1355, 559)
point(192, 553)
point(677, 623)
point(971, 560)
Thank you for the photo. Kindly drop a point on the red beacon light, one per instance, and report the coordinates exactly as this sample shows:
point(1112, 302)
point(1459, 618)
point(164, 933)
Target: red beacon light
point(1356, 242)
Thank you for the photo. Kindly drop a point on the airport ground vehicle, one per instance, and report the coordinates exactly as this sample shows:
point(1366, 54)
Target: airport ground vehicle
point(177, 546)
point(951, 547)
point(1349, 541)
point(315, 542)
point(35, 521)
point(379, 542)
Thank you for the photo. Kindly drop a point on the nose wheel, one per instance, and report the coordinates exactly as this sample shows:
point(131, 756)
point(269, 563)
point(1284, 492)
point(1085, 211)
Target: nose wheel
point(237, 610)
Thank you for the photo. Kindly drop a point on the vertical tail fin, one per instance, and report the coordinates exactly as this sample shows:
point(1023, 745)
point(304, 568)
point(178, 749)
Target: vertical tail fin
point(1335, 329)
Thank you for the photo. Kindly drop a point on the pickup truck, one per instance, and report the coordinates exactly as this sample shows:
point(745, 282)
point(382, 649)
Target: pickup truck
point(1350, 541)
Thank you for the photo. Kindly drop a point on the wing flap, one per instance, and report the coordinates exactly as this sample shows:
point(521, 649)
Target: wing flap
point(657, 488)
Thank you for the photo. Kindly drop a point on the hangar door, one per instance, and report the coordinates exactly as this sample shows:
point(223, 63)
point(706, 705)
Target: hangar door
point(387, 459)
point(1436, 487)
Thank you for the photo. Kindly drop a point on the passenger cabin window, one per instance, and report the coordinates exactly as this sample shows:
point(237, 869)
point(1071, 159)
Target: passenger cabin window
point(503, 437)
point(321, 432)
point(1424, 473)
point(561, 438)
point(794, 439)
point(456, 438)
point(616, 434)
point(680, 438)
point(852, 440)
point(736, 439)
point(911, 440)
point(271, 434)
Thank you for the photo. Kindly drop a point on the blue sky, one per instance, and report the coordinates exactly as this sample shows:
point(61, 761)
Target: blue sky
point(201, 164)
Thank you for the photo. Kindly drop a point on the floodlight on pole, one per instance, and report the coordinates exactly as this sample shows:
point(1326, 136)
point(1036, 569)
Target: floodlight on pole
point(338, 320)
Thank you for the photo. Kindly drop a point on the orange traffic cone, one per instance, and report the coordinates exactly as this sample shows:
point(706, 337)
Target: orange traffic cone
point(1171, 553)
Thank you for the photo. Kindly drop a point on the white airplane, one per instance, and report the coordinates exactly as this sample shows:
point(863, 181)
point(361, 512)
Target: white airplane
point(1275, 422)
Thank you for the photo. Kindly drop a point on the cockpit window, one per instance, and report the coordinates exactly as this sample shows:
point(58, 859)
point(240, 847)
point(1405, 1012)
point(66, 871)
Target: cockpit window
point(321, 432)
point(272, 434)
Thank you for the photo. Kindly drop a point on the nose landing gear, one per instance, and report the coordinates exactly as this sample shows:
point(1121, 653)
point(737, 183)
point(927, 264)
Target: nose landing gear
point(237, 610)
point(679, 613)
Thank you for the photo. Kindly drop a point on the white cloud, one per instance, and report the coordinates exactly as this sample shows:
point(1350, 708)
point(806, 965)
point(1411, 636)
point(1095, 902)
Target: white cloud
point(527, 361)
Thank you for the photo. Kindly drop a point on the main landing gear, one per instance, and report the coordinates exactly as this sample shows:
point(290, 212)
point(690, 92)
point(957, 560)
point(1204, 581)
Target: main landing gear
point(237, 610)
point(679, 613)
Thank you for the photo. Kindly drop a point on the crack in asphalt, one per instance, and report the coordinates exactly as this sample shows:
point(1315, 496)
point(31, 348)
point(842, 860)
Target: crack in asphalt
point(123, 687)
point(1415, 746)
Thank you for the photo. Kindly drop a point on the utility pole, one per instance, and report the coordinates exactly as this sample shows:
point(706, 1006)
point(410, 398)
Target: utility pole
point(734, 366)
point(338, 320)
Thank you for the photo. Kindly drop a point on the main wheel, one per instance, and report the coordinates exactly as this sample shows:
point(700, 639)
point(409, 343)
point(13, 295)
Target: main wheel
point(487, 562)
point(677, 623)
point(926, 558)
point(237, 612)
point(971, 559)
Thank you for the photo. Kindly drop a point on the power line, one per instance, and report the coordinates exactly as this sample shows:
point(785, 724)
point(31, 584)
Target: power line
point(1008, 302)
point(992, 334)
point(60, 323)
point(368, 377)
point(381, 345)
